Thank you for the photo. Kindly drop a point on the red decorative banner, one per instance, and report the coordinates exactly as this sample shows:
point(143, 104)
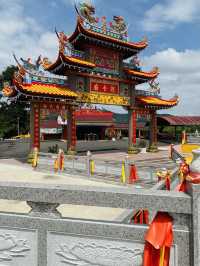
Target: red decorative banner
point(104, 88)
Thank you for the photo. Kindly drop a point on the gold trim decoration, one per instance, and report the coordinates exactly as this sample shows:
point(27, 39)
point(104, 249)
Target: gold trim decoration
point(103, 99)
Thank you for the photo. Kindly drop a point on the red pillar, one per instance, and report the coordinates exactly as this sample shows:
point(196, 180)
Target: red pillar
point(134, 125)
point(35, 125)
point(132, 114)
point(71, 129)
point(64, 132)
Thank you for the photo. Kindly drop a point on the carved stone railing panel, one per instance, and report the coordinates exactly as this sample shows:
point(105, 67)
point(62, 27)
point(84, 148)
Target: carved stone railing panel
point(88, 251)
point(81, 250)
point(18, 247)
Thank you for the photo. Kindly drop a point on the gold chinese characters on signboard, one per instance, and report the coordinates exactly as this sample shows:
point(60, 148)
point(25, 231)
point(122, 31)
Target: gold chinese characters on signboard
point(103, 99)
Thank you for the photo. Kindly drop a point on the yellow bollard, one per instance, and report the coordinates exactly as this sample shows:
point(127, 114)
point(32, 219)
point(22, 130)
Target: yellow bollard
point(35, 158)
point(123, 174)
point(56, 165)
point(92, 167)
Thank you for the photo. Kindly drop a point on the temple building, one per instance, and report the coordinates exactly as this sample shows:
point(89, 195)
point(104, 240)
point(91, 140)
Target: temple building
point(97, 64)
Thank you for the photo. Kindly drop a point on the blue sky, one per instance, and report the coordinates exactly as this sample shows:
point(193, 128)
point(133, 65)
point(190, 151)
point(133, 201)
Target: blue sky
point(172, 28)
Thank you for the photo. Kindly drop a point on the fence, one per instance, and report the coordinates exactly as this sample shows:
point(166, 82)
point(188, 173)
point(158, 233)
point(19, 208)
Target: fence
point(100, 169)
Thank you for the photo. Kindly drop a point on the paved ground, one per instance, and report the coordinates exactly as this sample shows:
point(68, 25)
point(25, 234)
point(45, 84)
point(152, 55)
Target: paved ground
point(13, 170)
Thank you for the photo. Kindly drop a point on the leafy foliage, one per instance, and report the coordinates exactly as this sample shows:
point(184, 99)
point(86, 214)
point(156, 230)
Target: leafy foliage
point(12, 112)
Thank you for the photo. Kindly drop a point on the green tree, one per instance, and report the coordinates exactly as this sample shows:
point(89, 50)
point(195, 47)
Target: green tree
point(13, 113)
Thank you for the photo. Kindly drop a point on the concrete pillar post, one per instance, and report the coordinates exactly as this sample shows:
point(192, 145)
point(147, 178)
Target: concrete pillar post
point(194, 191)
point(132, 126)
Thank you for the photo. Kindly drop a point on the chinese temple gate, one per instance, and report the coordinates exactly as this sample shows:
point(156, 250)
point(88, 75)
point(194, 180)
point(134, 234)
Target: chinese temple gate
point(95, 65)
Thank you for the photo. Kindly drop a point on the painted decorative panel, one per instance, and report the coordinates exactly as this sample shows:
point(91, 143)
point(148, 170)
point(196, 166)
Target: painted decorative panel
point(85, 251)
point(18, 247)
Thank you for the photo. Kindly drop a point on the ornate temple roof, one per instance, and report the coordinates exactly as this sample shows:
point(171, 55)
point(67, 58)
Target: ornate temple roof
point(32, 80)
point(141, 74)
point(45, 89)
point(70, 60)
point(156, 102)
point(94, 34)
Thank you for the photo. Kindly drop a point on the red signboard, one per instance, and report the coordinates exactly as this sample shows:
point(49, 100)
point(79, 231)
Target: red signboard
point(104, 88)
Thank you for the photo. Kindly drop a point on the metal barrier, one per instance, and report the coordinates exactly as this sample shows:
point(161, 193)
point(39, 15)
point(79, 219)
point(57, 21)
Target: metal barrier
point(101, 169)
point(82, 165)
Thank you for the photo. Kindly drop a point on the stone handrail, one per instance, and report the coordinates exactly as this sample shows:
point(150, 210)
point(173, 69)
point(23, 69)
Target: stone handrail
point(126, 198)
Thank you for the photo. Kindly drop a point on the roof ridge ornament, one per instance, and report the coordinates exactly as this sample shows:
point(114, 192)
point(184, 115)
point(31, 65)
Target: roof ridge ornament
point(118, 25)
point(154, 86)
point(86, 11)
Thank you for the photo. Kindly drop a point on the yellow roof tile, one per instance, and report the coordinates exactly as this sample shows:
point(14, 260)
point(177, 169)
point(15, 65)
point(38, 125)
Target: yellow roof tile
point(48, 89)
point(153, 74)
point(157, 101)
point(79, 61)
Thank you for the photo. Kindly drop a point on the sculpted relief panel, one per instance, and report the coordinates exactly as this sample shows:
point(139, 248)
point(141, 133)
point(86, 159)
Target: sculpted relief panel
point(84, 251)
point(18, 247)
point(67, 250)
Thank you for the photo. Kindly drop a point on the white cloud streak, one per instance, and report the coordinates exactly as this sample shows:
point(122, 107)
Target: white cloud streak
point(179, 73)
point(22, 34)
point(170, 13)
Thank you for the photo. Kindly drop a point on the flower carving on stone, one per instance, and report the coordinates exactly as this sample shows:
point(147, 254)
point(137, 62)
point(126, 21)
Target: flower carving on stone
point(11, 247)
point(81, 254)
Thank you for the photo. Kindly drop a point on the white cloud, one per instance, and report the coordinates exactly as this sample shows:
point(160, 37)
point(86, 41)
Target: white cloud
point(22, 34)
point(170, 13)
point(179, 73)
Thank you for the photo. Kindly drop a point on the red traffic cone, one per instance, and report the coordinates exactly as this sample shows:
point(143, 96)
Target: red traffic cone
point(133, 174)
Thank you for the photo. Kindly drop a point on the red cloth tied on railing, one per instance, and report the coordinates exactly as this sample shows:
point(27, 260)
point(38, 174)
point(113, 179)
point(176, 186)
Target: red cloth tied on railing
point(141, 217)
point(159, 239)
point(194, 178)
point(167, 182)
point(61, 161)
